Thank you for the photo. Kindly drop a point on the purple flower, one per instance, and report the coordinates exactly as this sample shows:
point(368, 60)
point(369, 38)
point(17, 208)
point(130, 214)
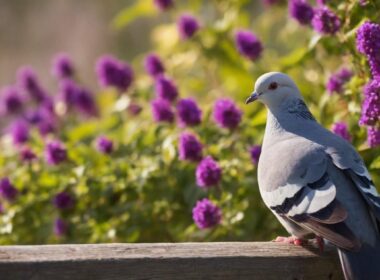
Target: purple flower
point(337, 80)
point(104, 145)
point(325, 21)
point(344, 74)
point(206, 214)
point(368, 38)
point(60, 227)
point(166, 89)
point(55, 152)
point(162, 110)
point(341, 129)
point(368, 43)
point(373, 136)
point(63, 200)
point(153, 65)
point(208, 173)
point(163, 5)
point(7, 190)
point(85, 103)
point(77, 97)
point(301, 11)
point(190, 148)
point(334, 84)
point(68, 92)
point(371, 104)
point(188, 112)
point(134, 109)
point(46, 127)
point(27, 155)
point(34, 116)
point(27, 80)
point(248, 44)
point(255, 152)
point(11, 100)
point(20, 132)
point(112, 72)
point(187, 26)
point(62, 66)
point(226, 113)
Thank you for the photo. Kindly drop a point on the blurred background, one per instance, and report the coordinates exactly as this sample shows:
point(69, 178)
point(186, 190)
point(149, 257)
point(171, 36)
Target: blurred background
point(117, 154)
point(31, 32)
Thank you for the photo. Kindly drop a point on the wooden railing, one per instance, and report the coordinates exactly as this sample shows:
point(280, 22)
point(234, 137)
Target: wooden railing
point(227, 260)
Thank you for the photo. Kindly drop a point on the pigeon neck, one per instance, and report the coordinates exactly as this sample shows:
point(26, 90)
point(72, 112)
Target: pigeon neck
point(288, 117)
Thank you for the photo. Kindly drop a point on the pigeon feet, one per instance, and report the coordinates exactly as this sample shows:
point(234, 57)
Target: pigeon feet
point(290, 240)
point(320, 243)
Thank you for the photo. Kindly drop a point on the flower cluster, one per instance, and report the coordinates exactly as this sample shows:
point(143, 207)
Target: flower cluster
point(76, 97)
point(337, 80)
point(104, 145)
point(113, 72)
point(248, 44)
point(153, 65)
point(63, 200)
point(341, 129)
point(208, 173)
point(322, 19)
point(28, 81)
point(189, 147)
point(162, 110)
point(226, 113)
point(166, 89)
point(20, 132)
point(27, 155)
point(255, 152)
point(368, 43)
point(206, 214)
point(373, 136)
point(325, 21)
point(188, 25)
point(11, 100)
point(7, 190)
point(62, 66)
point(55, 152)
point(188, 112)
point(163, 5)
point(371, 104)
point(301, 11)
point(60, 227)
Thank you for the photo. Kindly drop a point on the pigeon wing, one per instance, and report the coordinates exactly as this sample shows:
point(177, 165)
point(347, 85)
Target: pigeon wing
point(308, 197)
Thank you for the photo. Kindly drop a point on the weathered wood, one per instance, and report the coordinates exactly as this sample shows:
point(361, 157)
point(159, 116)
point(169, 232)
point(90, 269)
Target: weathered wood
point(227, 260)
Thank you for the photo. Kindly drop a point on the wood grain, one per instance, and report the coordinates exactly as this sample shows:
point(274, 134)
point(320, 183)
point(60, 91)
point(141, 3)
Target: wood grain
point(226, 260)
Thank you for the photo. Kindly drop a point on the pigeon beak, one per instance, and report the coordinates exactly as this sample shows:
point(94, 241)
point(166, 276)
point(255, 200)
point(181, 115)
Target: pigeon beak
point(252, 98)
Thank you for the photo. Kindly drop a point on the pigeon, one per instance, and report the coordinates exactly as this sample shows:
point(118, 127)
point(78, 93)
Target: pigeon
point(314, 181)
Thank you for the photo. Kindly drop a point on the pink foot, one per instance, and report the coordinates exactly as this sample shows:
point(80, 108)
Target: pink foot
point(320, 243)
point(290, 240)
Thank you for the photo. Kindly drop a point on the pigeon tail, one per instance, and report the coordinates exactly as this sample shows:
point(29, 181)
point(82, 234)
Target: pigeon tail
point(361, 265)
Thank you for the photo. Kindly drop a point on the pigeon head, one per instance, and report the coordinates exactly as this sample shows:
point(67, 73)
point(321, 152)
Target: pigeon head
point(273, 88)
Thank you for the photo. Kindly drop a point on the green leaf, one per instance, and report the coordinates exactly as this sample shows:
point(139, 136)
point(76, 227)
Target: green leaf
point(139, 9)
point(294, 58)
point(375, 164)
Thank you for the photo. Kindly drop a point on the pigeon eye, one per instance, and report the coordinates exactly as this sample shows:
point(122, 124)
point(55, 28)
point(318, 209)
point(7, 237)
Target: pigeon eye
point(273, 86)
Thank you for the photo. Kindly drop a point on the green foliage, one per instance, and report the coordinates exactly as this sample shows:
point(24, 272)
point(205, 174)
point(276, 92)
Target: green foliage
point(142, 192)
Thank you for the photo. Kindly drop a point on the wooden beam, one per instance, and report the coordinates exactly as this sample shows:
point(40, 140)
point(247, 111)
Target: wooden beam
point(219, 260)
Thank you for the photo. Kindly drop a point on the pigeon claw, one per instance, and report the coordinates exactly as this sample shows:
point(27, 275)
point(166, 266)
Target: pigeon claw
point(290, 240)
point(320, 242)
